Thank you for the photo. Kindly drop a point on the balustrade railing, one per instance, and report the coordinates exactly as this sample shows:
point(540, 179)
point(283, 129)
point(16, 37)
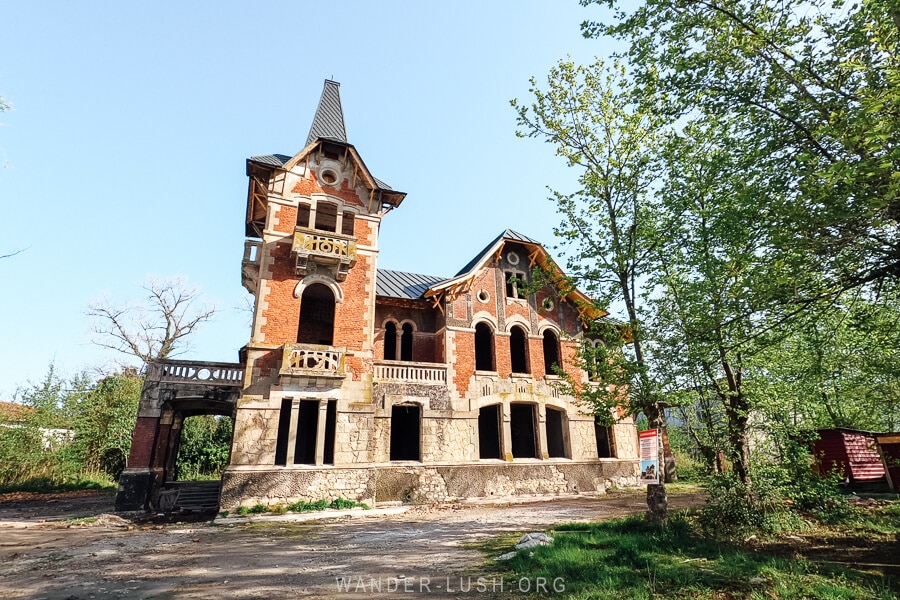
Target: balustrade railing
point(329, 250)
point(191, 371)
point(409, 372)
point(311, 360)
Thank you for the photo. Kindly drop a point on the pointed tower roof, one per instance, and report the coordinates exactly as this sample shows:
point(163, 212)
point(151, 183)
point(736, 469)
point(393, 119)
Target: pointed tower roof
point(329, 120)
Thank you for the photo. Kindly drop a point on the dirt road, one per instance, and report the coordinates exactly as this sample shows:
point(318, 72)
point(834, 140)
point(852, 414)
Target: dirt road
point(419, 553)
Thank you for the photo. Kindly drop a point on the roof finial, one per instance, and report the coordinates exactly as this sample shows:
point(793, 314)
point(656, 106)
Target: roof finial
point(329, 120)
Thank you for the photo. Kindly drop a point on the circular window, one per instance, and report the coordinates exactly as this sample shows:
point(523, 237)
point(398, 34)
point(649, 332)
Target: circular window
point(512, 258)
point(483, 296)
point(547, 304)
point(328, 176)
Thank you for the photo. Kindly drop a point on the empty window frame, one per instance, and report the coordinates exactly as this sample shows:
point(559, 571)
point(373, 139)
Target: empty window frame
point(515, 284)
point(522, 430)
point(284, 432)
point(307, 429)
point(405, 432)
point(347, 224)
point(484, 347)
point(326, 216)
point(551, 352)
point(316, 316)
point(303, 215)
point(557, 433)
point(406, 343)
point(390, 341)
point(518, 349)
point(606, 447)
point(330, 426)
point(489, 445)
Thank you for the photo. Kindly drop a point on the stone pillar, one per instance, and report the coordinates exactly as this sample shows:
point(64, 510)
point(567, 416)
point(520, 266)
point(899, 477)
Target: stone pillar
point(507, 431)
point(292, 433)
point(541, 436)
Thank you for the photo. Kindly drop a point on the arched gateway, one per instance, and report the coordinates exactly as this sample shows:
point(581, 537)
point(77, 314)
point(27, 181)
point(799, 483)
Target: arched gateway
point(173, 391)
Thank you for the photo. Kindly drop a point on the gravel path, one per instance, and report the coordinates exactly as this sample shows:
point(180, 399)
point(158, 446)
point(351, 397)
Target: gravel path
point(419, 553)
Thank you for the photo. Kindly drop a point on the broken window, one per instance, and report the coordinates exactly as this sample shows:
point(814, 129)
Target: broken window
point(606, 447)
point(518, 349)
point(515, 284)
point(347, 224)
point(390, 341)
point(484, 347)
point(303, 215)
point(406, 343)
point(307, 428)
point(489, 432)
point(551, 351)
point(557, 433)
point(326, 216)
point(522, 430)
point(405, 432)
point(316, 316)
point(284, 431)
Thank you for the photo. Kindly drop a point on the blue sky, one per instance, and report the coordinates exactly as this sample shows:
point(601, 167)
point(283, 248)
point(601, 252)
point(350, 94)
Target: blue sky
point(124, 155)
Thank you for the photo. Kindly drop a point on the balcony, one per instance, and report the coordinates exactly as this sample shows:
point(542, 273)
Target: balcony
point(312, 360)
point(317, 250)
point(250, 265)
point(394, 371)
point(196, 372)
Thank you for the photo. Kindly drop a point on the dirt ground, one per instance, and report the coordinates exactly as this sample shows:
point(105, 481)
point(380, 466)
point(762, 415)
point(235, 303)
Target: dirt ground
point(55, 550)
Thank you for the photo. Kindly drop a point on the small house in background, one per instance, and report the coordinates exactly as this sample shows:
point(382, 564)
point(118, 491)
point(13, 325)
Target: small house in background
point(889, 448)
point(854, 453)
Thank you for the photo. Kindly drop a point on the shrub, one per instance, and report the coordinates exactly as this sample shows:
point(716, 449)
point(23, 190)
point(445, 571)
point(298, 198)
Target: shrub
point(734, 509)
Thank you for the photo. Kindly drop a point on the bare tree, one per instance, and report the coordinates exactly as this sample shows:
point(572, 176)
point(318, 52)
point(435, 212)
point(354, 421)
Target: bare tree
point(156, 330)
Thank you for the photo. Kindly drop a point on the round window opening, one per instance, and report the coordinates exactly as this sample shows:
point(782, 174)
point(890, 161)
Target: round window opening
point(329, 176)
point(513, 258)
point(547, 304)
point(483, 296)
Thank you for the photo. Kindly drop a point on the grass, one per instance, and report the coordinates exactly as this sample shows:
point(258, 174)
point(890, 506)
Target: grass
point(297, 507)
point(633, 559)
point(47, 485)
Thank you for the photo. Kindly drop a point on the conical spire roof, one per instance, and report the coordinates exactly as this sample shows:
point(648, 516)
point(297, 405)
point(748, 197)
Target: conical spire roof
point(329, 120)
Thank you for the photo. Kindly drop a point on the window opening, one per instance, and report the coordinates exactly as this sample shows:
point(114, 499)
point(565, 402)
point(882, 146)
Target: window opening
point(484, 347)
point(405, 433)
point(390, 341)
point(326, 216)
point(406, 343)
point(551, 351)
point(316, 316)
point(347, 224)
point(284, 430)
point(518, 350)
point(605, 445)
point(307, 428)
point(515, 282)
point(556, 433)
point(303, 215)
point(522, 428)
point(489, 432)
point(330, 425)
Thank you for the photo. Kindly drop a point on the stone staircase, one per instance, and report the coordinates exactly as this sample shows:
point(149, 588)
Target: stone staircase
point(195, 496)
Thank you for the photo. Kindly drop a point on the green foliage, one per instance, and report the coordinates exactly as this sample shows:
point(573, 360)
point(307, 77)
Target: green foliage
point(204, 448)
point(634, 559)
point(734, 509)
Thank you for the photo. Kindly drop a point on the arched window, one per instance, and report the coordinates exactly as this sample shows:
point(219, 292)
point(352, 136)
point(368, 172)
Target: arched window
point(406, 343)
point(484, 347)
point(551, 352)
point(390, 341)
point(316, 316)
point(518, 349)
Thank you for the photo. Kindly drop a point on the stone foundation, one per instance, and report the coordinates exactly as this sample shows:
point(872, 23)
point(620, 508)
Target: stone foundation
point(424, 484)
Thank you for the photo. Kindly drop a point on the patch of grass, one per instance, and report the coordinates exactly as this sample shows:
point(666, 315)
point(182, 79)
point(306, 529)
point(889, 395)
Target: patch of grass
point(633, 559)
point(258, 509)
point(241, 511)
point(48, 485)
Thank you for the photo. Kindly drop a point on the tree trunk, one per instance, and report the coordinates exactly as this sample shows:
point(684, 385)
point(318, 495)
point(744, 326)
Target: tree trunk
point(657, 499)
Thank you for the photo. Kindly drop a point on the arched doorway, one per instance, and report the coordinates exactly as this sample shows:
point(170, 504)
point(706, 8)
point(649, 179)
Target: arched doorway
point(316, 316)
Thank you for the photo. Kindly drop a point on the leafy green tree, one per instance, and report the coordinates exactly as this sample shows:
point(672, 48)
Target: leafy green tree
point(204, 448)
point(598, 125)
point(813, 87)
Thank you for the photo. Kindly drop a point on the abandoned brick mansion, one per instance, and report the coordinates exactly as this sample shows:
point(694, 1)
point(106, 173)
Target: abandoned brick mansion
point(380, 385)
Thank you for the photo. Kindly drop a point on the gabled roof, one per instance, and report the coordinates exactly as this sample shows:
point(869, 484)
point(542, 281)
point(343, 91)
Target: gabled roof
point(399, 284)
point(537, 257)
point(329, 120)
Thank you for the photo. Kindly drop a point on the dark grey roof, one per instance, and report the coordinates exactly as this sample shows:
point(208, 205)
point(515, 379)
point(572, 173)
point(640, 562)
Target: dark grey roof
point(329, 120)
point(276, 160)
point(509, 234)
point(398, 284)
point(382, 184)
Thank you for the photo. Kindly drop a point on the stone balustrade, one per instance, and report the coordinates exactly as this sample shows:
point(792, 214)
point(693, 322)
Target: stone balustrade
point(192, 371)
point(393, 371)
point(312, 360)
